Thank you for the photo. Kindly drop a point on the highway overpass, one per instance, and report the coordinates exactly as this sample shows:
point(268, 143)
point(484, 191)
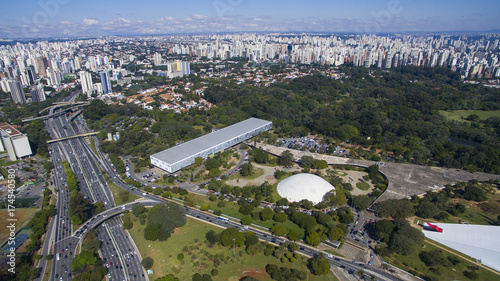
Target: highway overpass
point(72, 137)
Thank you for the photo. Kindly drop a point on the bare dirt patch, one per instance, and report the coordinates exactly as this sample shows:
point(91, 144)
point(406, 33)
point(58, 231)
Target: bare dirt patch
point(259, 274)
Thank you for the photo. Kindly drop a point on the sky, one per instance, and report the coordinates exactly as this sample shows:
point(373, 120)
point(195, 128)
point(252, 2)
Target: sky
point(70, 18)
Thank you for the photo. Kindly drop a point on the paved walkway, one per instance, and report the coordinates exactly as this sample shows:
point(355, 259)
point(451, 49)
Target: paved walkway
point(405, 180)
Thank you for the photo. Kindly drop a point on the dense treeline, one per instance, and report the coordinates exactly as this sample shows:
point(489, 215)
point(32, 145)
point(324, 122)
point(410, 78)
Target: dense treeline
point(395, 110)
point(38, 137)
point(438, 205)
point(168, 128)
point(162, 220)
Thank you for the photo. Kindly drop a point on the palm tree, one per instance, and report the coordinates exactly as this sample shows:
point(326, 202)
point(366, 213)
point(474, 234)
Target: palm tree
point(361, 273)
point(373, 278)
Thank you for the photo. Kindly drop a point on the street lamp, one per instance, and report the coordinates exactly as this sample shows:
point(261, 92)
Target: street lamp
point(234, 247)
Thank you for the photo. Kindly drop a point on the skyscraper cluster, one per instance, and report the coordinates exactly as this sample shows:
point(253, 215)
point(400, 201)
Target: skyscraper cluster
point(472, 56)
point(25, 69)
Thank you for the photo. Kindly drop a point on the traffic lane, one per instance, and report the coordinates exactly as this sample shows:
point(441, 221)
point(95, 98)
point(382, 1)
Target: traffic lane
point(130, 256)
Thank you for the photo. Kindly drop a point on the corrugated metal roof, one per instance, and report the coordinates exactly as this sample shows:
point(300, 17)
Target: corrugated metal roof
point(187, 149)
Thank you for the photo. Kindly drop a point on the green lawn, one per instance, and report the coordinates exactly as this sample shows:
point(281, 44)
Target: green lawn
point(5, 163)
point(118, 191)
point(196, 259)
point(92, 145)
point(473, 214)
point(257, 172)
point(460, 115)
point(363, 186)
point(48, 266)
point(440, 273)
point(21, 214)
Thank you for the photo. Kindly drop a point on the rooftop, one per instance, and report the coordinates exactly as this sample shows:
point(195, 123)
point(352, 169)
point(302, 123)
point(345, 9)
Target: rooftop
point(185, 150)
point(8, 129)
point(304, 186)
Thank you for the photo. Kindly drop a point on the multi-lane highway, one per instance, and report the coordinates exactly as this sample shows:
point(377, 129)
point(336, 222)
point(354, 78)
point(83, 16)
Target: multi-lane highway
point(115, 242)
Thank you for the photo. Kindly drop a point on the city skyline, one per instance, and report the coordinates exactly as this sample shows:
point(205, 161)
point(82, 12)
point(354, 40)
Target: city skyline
point(64, 18)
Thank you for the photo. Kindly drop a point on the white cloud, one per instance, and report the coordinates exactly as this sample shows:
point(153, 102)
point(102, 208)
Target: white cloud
point(125, 20)
point(90, 21)
point(200, 17)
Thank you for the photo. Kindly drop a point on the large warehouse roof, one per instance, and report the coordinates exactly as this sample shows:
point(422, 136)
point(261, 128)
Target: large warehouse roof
point(304, 186)
point(478, 241)
point(187, 149)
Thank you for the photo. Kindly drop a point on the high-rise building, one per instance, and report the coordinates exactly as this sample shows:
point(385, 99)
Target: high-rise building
point(38, 94)
point(31, 74)
point(157, 59)
point(54, 77)
point(78, 63)
point(106, 82)
point(16, 91)
point(4, 84)
point(41, 64)
point(185, 68)
point(98, 88)
point(86, 81)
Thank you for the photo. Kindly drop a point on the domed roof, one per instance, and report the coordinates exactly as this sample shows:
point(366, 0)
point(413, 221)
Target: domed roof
point(304, 186)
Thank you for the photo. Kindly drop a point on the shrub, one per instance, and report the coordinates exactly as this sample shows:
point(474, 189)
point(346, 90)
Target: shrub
point(147, 262)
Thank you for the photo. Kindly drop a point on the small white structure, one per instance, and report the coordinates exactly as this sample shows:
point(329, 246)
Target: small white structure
point(304, 186)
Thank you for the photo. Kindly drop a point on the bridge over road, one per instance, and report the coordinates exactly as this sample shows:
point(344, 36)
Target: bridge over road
point(101, 217)
point(73, 136)
point(405, 180)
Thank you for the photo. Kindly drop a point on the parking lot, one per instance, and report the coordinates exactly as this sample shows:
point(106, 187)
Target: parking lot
point(304, 143)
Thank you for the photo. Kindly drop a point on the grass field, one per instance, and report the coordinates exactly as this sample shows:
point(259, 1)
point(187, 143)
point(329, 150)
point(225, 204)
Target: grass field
point(20, 214)
point(196, 260)
point(5, 163)
point(473, 213)
point(116, 190)
point(257, 172)
point(363, 186)
point(460, 115)
point(441, 273)
point(46, 276)
point(92, 145)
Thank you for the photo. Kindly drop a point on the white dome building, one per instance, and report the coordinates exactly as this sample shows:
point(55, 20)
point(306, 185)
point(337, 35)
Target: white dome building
point(304, 186)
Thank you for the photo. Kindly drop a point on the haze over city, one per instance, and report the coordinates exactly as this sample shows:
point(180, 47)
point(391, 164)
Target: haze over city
point(62, 18)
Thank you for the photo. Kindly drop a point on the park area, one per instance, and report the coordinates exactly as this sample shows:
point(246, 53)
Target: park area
point(20, 214)
point(475, 115)
point(186, 252)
